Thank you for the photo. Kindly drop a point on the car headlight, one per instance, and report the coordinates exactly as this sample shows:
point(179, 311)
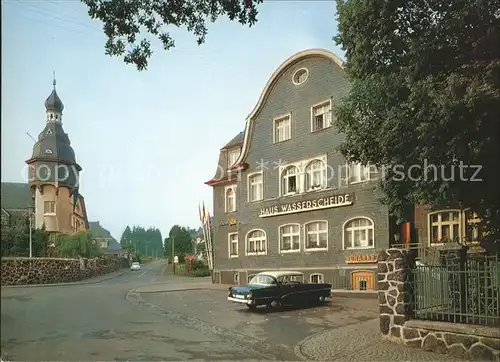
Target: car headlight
point(249, 295)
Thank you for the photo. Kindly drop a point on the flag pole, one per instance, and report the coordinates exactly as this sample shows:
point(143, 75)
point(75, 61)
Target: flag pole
point(209, 241)
point(204, 233)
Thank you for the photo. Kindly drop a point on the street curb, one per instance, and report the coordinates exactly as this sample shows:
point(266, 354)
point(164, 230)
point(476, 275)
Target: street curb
point(297, 350)
point(88, 281)
point(176, 290)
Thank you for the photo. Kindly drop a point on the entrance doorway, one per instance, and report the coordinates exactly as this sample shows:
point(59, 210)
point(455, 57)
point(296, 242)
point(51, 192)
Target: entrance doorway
point(362, 280)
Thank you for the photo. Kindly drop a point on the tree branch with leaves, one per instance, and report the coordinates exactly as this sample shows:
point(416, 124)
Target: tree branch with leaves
point(125, 22)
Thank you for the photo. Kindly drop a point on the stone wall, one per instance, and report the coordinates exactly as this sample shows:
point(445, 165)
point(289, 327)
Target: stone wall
point(396, 312)
point(24, 271)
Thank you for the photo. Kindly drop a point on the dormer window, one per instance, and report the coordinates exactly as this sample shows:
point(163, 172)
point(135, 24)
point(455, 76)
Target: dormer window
point(232, 157)
point(48, 151)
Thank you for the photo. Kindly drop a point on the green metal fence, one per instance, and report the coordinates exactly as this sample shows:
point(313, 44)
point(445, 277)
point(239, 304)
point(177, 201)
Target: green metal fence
point(464, 292)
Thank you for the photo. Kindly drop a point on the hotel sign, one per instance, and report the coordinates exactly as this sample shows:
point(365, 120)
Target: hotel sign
point(309, 205)
point(362, 258)
point(230, 222)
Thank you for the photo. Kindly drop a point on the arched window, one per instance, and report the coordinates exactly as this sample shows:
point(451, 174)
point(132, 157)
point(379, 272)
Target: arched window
point(358, 234)
point(444, 226)
point(230, 199)
point(289, 238)
point(256, 243)
point(316, 175)
point(237, 278)
point(317, 278)
point(290, 181)
point(316, 234)
point(250, 277)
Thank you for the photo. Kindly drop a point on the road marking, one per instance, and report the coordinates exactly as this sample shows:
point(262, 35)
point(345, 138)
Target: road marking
point(142, 274)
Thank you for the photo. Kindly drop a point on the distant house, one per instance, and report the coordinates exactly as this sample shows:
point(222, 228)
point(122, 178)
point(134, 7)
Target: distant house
point(16, 204)
point(107, 242)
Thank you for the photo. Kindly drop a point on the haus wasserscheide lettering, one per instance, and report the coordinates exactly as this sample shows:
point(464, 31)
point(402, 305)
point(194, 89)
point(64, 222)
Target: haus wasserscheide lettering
point(309, 205)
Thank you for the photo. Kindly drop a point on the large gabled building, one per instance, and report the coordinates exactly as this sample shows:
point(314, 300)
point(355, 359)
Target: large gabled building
point(284, 198)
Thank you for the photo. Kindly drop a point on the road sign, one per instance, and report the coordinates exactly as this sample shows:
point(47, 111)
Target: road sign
point(176, 259)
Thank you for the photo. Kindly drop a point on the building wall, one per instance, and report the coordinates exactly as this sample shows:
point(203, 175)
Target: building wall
point(325, 81)
point(64, 219)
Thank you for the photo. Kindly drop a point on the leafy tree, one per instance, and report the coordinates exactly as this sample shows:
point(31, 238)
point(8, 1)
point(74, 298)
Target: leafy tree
point(79, 245)
point(123, 21)
point(15, 240)
point(181, 239)
point(425, 79)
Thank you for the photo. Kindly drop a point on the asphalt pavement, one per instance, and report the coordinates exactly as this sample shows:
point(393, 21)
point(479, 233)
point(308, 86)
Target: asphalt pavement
point(150, 316)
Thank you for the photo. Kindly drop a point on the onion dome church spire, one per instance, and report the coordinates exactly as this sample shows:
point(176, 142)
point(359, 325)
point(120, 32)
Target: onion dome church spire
point(53, 105)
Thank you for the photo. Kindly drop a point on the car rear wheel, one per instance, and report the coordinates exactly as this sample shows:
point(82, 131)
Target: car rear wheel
point(321, 299)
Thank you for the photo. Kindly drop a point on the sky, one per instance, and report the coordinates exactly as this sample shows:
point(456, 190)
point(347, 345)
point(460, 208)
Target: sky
point(147, 141)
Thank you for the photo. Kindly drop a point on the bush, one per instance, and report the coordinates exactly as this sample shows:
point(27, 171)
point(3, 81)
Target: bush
point(199, 273)
point(198, 265)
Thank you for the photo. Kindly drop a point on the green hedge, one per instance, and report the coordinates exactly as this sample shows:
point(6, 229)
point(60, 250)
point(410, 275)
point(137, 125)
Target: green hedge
point(199, 273)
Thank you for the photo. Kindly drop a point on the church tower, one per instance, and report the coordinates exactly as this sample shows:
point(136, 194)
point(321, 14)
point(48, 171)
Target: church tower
point(54, 175)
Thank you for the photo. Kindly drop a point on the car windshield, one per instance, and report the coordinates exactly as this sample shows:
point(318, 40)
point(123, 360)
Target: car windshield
point(262, 280)
point(135, 263)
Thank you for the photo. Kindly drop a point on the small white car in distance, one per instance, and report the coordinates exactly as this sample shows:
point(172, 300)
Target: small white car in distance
point(135, 266)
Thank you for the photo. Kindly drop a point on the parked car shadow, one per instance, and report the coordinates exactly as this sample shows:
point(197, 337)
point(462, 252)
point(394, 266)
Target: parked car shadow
point(266, 310)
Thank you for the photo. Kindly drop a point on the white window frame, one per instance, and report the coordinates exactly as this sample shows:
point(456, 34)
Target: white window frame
point(468, 222)
point(53, 204)
point(307, 233)
point(284, 180)
point(251, 184)
point(322, 277)
point(234, 151)
point(294, 75)
point(309, 175)
point(255, 240)
point(229, 244)
point(441, 223)
point(281, 234)
point(363, 172)
point(352, 229)
point(275, 124)
point(327, 116)
point(233, 188)
point(301, 166)
point(48, 151)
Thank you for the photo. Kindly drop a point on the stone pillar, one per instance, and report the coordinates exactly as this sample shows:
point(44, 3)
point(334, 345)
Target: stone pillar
point(394, 291)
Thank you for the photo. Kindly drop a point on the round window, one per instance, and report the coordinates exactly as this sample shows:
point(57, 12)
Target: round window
point(300, 76)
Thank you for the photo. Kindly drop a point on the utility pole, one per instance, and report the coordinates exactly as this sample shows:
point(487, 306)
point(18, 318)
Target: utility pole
point(173, 251)
point(31, 234)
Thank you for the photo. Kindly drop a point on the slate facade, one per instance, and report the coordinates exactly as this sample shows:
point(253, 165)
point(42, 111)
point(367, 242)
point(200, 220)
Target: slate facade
point(284, 198)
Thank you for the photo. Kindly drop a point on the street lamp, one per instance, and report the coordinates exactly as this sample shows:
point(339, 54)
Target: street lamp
point(31, 233)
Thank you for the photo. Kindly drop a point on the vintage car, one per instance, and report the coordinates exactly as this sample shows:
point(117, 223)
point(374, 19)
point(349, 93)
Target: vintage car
point(278, 288)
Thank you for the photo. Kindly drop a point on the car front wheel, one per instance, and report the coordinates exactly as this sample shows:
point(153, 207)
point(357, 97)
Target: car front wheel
point(276, 304)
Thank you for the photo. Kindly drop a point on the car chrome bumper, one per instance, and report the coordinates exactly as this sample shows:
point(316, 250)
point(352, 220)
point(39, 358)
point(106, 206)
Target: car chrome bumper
point(244, 301)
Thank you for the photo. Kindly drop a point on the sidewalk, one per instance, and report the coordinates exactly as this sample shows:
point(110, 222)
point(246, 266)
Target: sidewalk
point(177, 284)
point(360, 342)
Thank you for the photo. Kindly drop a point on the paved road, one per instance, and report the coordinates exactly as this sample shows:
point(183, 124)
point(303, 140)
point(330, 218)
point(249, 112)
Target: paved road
point(96, 322)
point(110, 320)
